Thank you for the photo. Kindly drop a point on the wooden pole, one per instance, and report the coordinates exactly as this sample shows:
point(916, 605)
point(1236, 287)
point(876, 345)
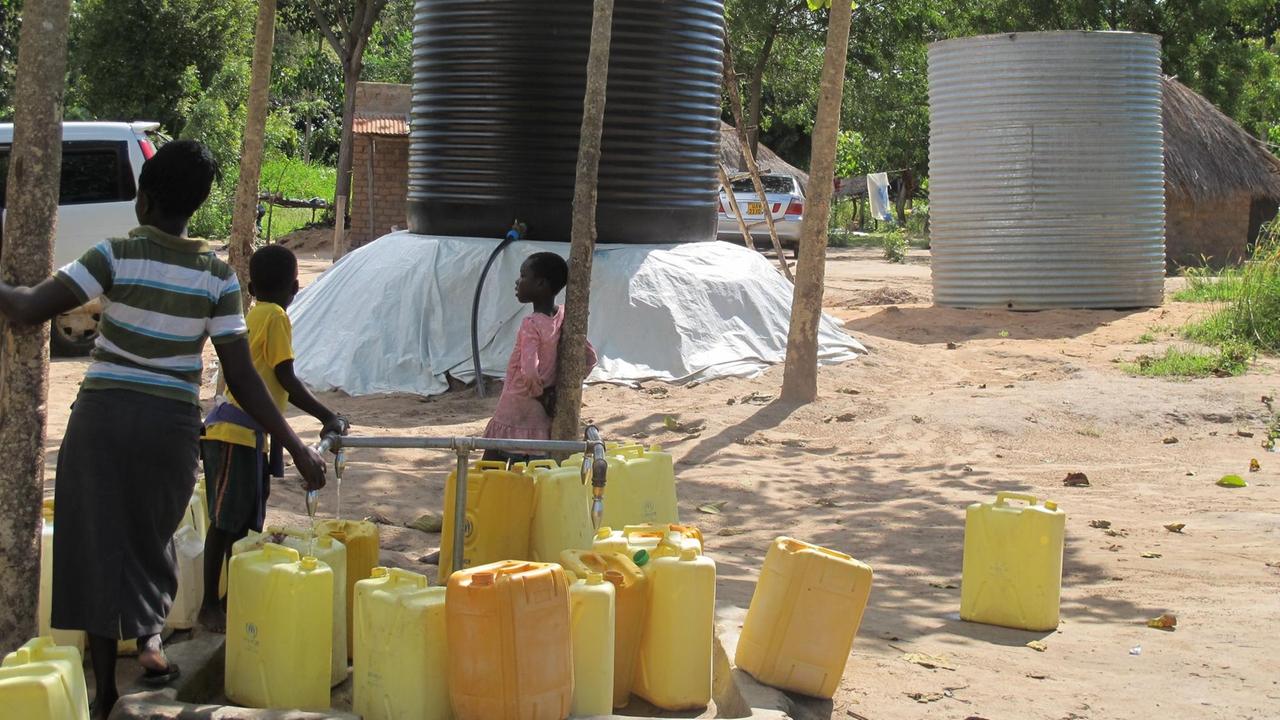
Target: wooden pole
point(735, 105)
point(244, 221)
point(733, 205)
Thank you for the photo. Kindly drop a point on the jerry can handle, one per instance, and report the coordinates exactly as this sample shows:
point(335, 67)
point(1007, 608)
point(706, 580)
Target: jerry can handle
point(404, 577)
point(1002, 496)
point(540, 465)
point(489, 465)
point(628, 451)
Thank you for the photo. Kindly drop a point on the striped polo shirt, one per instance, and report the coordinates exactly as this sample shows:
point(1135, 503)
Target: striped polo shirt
point(163, 295)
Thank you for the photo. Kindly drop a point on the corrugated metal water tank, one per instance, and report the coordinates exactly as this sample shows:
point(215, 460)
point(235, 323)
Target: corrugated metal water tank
point(497, 109)
point(1046, 171)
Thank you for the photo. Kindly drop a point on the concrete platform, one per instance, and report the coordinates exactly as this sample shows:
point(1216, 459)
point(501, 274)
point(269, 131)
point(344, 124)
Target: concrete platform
point(198, 693)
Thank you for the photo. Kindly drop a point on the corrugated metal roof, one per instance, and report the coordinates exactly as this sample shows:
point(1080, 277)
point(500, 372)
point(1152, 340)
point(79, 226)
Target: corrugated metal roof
point(376, 124)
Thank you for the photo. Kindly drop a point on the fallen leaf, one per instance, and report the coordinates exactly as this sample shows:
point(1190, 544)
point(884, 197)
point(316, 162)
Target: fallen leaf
point(671, 423)
point(1114, 548)
point(967, 468)
point(925, 697)
point(656, 391)
point(983, 386)
point(793, 442)
point(380, 519)
point(1254, 465)
point(824, 502)
point(1076, 479)
point(1037, 676)
point(917, 419)
point(427, 523)
point(1167, 621)
point(849, 391)
point(729, 531)
point(1151, 555)
point(1232, 481)
point(757, 398)
point(1100, 524)
point(933, 662)
point(944, 586)
point(714, 508)
point(1115, 533)
point(1275, 564)
point(846, 417)
point(1175, 527)
point(1244, 433)
point(1170, 440)
point(1038, 645)
point(952, 346)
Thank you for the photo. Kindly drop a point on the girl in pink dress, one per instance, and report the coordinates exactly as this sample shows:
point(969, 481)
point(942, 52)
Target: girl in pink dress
point(528, 394)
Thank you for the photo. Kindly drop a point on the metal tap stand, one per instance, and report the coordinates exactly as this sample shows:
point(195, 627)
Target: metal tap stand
point(592, 448)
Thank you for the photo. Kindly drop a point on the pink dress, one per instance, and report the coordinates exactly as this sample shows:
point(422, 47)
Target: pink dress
point(532, 368)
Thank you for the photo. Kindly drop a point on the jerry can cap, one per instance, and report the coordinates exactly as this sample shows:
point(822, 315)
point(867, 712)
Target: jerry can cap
point(688, 553)
point(482, 579)
point(594, 578)
point(604, 532)
point(378, 572)
point(308, 563)
point(615, 577)
point(641, 558)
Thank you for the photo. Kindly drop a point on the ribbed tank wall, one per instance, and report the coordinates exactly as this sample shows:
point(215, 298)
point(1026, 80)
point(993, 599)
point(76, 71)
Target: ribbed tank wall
point(497, 110)
point(1046, 170)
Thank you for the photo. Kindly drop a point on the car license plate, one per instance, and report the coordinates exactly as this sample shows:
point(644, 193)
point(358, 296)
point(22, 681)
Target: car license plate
point(755, 208)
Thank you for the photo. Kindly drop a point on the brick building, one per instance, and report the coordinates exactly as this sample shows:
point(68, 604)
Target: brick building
point(380, 161)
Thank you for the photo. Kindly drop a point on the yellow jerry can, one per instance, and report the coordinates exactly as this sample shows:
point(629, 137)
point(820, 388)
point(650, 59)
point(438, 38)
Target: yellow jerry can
point(510, 646)
point(561, 512)
point(674, 670)
point(327, 550)
point(44, 601)
point(1013, 563)
point(499, 509)
point(631, 607)
point(189, 547)
point(803, 617)
point(43, 681)
point(361, 540)
point(401, 660)
point(197, 514)
point(640, 486)
point(279, 630)
point(591, 601)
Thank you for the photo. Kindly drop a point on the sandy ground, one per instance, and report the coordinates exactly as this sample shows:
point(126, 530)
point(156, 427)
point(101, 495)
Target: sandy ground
point(882, 467)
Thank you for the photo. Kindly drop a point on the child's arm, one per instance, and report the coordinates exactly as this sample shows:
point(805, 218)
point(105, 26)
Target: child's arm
point(251, 394)
point(591, 356)
point(300, 396)
point(527, 341)
point(34, 305)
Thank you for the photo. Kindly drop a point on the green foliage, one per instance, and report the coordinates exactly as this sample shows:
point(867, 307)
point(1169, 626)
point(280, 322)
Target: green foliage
point(10, 15)
point(139, 59)
point(895, 246)
point(213, 219)
point(215, 115)
point(1206, 285)
point(1146, 338)
point(1252, 315)
point(851, 154)
point(1230, 360)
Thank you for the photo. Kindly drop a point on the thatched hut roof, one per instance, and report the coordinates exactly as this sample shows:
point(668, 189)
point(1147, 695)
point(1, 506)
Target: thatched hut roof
point(1207, 155)
point(768, 161)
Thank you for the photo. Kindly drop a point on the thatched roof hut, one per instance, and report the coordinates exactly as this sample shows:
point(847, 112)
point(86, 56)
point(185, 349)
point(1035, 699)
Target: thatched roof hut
point(1221, 183)
point(731, 155)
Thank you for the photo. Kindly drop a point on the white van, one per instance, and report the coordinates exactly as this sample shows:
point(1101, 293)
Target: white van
point(100, 166)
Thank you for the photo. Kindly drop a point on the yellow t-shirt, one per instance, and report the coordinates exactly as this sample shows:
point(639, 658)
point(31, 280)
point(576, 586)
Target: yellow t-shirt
point(270, 343)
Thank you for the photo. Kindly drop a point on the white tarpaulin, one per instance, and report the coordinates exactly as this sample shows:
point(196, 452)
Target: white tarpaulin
point(395, 315)
point(878, 195)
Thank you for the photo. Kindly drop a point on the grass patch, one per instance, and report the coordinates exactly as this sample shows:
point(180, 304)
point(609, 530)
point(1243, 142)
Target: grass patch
point(1205, 285)
point(1146, 338)
point(296, 180)
point(1230, 360)
point(1252, 314)
point(1091, 432)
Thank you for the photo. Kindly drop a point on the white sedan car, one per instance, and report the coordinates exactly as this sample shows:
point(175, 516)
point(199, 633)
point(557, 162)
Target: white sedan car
point(783, 199)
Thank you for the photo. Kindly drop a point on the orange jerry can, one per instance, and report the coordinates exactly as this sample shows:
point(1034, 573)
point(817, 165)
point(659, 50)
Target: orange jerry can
point(804, 615)
point(510, 642)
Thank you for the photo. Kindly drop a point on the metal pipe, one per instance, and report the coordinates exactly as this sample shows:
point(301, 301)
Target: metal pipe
point(526, 447)
point(459, 511)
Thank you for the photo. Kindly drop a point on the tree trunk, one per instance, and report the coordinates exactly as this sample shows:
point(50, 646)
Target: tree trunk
point(905, 190)
point(35, 166)
point(342, 193)
point(244, 219)
point(755, 89)
point(800, 378)
point(571, 370)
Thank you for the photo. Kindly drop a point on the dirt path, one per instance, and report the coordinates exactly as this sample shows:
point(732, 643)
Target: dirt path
point(883, 465)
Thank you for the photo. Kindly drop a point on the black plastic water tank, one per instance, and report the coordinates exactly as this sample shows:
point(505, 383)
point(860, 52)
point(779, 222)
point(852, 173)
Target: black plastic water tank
point(497, 109)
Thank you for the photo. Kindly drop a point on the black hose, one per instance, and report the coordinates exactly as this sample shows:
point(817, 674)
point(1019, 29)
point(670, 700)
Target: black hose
point(512, 235)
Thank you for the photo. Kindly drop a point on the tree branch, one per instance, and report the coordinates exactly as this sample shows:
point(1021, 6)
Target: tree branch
point(323, 24)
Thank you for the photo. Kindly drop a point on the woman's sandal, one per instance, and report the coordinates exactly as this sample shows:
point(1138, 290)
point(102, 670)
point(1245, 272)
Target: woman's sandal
point(159, 678)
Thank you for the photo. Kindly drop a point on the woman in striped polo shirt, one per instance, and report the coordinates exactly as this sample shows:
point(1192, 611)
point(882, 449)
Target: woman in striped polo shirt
point(127, 463)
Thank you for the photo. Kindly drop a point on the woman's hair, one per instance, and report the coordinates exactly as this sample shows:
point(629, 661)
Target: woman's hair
point(550, 267)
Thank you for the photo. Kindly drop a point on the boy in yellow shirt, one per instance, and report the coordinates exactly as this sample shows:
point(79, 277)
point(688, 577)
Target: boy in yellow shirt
point(237, 465)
